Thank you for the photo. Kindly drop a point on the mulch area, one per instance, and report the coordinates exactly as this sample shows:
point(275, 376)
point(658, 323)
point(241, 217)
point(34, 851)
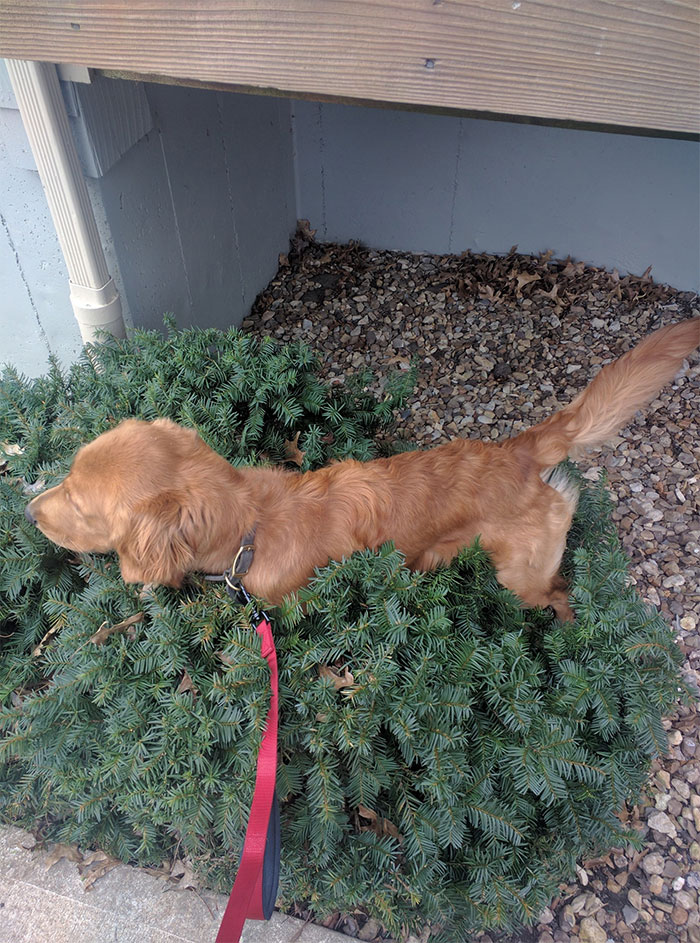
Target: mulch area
point(500, 343)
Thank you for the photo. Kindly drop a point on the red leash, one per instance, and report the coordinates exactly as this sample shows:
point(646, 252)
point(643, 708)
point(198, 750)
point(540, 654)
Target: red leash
point(255, 888)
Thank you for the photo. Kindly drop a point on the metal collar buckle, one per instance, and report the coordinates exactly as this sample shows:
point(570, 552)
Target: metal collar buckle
point(233, 569)
point(233, 577)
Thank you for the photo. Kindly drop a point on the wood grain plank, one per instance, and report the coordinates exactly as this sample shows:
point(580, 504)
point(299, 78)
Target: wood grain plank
point(633, 63)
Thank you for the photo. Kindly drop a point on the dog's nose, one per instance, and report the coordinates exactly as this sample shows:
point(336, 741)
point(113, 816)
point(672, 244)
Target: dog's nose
point(28, 514)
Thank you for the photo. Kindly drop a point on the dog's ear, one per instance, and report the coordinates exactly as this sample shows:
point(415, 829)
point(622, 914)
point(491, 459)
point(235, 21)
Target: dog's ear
point(159, 546)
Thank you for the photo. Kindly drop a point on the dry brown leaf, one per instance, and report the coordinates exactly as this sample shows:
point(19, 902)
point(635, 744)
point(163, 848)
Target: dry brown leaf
point(637, 860)
point(690, 722)
point(45, 641)
point(574, 268)
point(105, 630)
point(8, 449)
point(304, 227)
point(524, 278)
point(59, 852)
point(487, 292)
point(95, 857)
point(391, 830)
point(183, 874)
point(17, 698)
point(292, 452)
point(367, 813)
point(552, 294)
point(591, 863)
point(346, 680)
point(95, 866)
point(188, 880)
point(158, 872)
point(379, 825)
point(187, 684)
point(35, 488)
point(227, 660)
point(96, 873)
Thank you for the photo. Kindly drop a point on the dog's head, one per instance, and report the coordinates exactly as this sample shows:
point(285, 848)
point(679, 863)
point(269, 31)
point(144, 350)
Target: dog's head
point(140, 489)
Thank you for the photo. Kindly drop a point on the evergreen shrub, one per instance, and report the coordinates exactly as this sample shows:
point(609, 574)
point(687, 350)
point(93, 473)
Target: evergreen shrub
point(444, 754)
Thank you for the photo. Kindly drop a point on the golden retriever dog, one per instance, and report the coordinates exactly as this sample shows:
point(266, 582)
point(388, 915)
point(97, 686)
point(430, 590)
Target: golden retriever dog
point(169, 505)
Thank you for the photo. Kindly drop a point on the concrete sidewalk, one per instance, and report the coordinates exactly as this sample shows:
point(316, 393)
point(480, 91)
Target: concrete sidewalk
point(45, 902)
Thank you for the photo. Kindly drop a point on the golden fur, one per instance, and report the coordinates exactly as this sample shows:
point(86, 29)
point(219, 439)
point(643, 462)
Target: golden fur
point(169, 505)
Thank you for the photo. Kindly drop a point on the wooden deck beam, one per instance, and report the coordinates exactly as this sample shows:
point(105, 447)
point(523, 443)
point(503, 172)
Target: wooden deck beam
point(629, 63)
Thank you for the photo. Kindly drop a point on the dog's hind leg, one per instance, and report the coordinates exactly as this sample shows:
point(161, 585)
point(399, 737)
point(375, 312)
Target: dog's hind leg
point(525, 548)
point(530, 564)
point(536, 589)
point(535, 579)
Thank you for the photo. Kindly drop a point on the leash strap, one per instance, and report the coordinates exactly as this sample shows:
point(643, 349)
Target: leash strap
point(255, 888)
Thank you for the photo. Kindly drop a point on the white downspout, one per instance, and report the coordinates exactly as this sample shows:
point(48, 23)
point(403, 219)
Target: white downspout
point(93, 294)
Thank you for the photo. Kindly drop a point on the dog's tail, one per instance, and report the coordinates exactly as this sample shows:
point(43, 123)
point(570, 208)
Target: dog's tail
point(619, 390)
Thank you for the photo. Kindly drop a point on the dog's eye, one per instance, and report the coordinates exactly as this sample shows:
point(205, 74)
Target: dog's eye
point(73, 502)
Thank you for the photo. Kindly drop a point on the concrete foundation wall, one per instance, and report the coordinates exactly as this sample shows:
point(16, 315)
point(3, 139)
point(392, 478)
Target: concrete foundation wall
point(430, 183)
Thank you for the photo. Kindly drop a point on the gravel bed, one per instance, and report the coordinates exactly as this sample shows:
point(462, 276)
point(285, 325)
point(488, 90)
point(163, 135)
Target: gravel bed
point(500, 343)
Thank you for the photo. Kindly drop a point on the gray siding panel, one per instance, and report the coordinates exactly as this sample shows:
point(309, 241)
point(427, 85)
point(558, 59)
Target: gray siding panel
point(137, 203)
point(36, 316)
point(258, 142)
point(114, 116)
point(201, 208)
point(22, 340)
point(194, 157)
